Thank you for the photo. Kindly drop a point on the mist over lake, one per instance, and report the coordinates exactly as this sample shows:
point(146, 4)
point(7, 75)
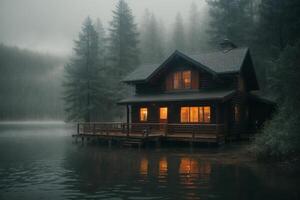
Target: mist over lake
point(159, 99)
point(41, 161)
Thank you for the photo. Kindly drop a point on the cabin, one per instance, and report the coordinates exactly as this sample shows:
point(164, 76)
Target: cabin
point(202, 97)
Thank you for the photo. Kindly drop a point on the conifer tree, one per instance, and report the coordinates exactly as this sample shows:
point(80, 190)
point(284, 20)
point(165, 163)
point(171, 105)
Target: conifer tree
point(178, 40)
point(123, 52)
point(82, 84)
point(230, 19)
point(151, 40)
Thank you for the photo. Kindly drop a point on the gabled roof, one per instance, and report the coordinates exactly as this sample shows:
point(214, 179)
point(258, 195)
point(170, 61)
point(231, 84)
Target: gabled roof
point(222, 95)
point(216, 63)
point(223, 62)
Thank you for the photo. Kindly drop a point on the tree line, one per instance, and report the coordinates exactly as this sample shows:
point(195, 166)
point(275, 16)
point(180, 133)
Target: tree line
point(30, 85)
point(269, 27)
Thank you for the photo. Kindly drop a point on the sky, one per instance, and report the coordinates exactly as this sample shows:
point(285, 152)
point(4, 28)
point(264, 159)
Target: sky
point(50, 26)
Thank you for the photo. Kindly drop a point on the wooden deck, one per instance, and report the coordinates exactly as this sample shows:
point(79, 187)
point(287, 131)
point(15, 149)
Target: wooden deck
point(140, 133)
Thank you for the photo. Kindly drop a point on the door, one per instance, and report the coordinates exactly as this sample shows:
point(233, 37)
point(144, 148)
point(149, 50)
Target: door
point(163, 117)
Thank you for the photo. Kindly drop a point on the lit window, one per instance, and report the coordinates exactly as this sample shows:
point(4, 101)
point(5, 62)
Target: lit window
point(176, 80)
point(184, 114)
point(186, 76)
point(143, 114)
point(206, 114)
point(163, 113)
point(182, 80)
point(195, 114)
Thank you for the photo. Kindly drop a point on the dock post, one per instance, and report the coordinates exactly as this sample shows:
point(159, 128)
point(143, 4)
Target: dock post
point(127, 119)
point(191, 146)
point(82, 140)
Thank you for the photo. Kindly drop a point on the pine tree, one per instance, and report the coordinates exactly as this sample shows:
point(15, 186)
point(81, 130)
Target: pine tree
point(151, 40)
point(102, 41)
point(194, 29)
point(230, 19)
point(123, 41)
point(178, 40)
point(82, 85)
point(279, 22)
point(123, 54)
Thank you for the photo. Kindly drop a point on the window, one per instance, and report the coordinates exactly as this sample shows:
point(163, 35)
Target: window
point(182, 80)
point(237, 113)
point(143, 114)
point(184, 114)
point(186, 77)
point(163, 113)
point(195, 114)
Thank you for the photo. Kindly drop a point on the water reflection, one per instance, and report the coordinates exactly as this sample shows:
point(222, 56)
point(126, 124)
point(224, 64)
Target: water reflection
point(46, 165)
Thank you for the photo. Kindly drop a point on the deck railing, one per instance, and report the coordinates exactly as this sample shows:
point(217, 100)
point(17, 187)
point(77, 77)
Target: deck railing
point(146, 129)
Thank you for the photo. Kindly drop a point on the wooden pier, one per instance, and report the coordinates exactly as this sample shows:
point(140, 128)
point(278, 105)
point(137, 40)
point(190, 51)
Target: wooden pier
point(139, 134)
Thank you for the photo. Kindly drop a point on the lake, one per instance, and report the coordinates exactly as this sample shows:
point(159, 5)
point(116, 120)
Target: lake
point(41, 161)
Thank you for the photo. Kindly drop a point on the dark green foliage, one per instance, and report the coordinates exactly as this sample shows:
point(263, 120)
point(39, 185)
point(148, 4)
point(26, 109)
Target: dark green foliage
point(123, 53)
point(178, 41)
point(152, 49)
point(30, 85)
point(231, 19)
point(280, 137)
point(280, 24)
point(84, 83)
point(197, 37)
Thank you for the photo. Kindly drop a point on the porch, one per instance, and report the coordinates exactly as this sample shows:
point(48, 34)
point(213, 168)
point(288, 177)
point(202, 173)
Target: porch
point(141, 133)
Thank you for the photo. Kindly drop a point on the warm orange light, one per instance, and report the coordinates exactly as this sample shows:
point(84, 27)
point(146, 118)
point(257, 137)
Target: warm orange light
point(207, 114)
point(195, 114)
point(186, 76)
point(163, 166)
point(184, 114)
point(188, 166)
point(163, 113)
point(143, 114)
point(144, 166)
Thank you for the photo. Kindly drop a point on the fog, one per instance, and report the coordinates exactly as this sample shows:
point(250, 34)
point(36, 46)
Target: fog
point(50, 26)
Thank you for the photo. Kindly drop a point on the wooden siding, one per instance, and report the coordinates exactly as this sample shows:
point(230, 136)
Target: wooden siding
point(173, 111)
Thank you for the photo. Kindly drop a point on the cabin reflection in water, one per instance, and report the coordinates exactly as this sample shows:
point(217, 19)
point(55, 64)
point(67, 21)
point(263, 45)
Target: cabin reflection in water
point(144, 167)
point(187, 168)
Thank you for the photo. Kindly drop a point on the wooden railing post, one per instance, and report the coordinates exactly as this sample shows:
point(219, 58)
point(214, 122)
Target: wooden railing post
point(166, 129)
point(127, 134)
point(193, 132)
point(94, 128)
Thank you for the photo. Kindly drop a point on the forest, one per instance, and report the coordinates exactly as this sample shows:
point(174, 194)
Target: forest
point(32, 85)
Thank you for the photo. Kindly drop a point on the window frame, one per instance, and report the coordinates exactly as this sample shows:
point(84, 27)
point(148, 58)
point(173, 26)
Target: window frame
point(181, 84)
point(201, 114)
point(141, 117)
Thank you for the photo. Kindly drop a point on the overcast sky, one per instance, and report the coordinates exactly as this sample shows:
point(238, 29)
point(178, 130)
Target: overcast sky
point(51, 25)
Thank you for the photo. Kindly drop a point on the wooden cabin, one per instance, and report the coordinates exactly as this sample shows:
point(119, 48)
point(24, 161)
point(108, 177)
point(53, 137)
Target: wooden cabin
point(200, 98)
point(212, 91)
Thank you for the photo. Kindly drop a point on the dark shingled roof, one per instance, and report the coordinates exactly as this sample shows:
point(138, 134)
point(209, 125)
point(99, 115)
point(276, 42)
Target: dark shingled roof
point(219, 62)
point(262, 96)
point(169, 97)
point(142, 72)
point(223, 62)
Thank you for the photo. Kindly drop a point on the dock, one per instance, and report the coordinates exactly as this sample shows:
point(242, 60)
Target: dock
point(140, 134)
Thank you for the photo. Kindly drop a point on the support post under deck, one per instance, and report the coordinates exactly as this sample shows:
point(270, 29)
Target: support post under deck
point(127, 119)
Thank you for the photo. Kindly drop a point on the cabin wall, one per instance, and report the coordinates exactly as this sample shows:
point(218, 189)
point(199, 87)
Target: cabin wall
point(200, 79)
point(173, 111)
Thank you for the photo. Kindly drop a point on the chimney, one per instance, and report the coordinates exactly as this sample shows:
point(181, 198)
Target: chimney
point(226, 45)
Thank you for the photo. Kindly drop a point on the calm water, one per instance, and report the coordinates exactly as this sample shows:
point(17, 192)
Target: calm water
point(40, 161)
